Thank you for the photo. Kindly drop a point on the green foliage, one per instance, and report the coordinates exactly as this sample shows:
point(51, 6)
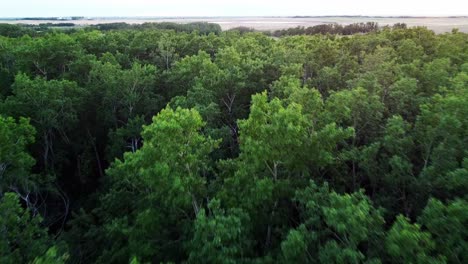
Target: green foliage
point(334, 228)
point(407, 243)
point(272, 128)
point(168, 175)
point(52, 107)
point(441, 132)
point(356, 108)
point(15, 161)
point(14, 31)
point(447, 224)
point(49, 57)
point(125, 139)
point(21, 236)
point(220, 237)
point(125, 93)
point(51, 256)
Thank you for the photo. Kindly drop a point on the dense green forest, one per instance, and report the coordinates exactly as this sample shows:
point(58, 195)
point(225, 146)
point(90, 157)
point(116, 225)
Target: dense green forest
point(187, 144)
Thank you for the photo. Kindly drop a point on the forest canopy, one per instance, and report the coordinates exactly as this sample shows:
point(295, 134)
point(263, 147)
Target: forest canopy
point(165, 143)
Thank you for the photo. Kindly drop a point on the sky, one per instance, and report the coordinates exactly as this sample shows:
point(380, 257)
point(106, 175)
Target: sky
point(90, 8)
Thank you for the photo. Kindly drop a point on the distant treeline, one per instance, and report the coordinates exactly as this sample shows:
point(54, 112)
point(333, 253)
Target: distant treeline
point(14, 31)
point(201, 27)
point(47, 25)
point(244, 30)
point(18, 30)
point(329, 29)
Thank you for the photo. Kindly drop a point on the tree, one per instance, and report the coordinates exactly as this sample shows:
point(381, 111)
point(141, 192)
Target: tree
point(48, 57)
point(21, 236)
point(403, 98)
point(361, 111)
point(167, 51)
point(407, 243)
point(440, 132)
point(188, 71)
point(122, 94)
point(51, 256)
point(409, 51)
point(7, 63)
point(436, 74)
point(356, 108)
point(52, 107)
point(400, 180)
point(446, 225)
point(271, 128)
point(333, 228)
point(161, 186)
point(265, 172)
point(220, 237)
point(15, 161)
point(125, 139)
